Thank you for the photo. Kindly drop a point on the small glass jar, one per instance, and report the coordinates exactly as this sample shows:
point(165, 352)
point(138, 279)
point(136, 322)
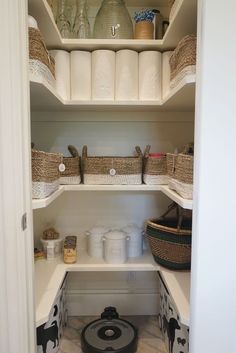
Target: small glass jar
point(113, 21)
point(81, 28)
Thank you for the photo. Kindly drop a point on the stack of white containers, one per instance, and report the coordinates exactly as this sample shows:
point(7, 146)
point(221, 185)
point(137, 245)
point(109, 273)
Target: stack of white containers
point(105, 75)
point(115, 246)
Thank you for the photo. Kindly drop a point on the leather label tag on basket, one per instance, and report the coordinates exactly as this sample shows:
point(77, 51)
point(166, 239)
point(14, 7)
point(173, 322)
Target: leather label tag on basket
point(112, 172)
point(62, 167)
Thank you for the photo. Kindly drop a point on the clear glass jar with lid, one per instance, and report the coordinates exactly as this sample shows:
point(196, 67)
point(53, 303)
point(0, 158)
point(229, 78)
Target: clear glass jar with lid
point(113, 21)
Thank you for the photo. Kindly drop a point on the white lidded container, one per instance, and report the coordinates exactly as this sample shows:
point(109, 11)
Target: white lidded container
point(115, 247)
point(135, 245)
point(95, 241)
point(52, 247)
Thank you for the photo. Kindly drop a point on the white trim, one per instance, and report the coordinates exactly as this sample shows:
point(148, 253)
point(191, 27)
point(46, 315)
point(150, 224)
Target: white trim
point(16, 290)
point(213, 291)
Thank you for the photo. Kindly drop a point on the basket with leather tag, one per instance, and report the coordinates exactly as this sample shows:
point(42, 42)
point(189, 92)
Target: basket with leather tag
point(112, 170)
point(70, 174)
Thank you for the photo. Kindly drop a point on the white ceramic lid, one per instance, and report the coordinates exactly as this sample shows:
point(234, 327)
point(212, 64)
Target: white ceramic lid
point(115, 235)
point(32, 22)
point(133, 229)
point(98, 230)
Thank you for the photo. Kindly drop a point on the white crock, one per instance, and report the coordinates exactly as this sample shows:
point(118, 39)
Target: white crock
point(135, 246)
point(95, 241)
point(115, 247)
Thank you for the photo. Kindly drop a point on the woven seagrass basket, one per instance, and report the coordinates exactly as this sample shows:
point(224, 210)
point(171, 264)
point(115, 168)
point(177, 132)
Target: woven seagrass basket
point(45, 173)
point(40, 62)
point(71, 174)
point(154, 169)
point(180, 172)
point(112, 170)
point(183, 60)
point(170, 241)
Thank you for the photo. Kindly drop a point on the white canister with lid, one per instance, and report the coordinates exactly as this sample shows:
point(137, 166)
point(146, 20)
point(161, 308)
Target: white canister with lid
point(135, 246)
point(95, 241)
point(115, 247)
point(52, 247)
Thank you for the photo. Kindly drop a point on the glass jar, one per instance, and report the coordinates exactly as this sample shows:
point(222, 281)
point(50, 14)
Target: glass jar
point(81, 28)
point(113, 21)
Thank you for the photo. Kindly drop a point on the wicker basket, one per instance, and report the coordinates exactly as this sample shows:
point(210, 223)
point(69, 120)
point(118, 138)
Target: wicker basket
point(183, 60)
point(180, 172)
point(170, 242)
point(155, 169)
point(71, 174)
point(45, 173)
point(112, 170)
point(41, 64)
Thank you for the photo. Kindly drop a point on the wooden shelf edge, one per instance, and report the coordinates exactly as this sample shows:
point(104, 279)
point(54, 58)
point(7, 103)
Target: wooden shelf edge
point(187, 204)
point(43, 203)
point(44, 97)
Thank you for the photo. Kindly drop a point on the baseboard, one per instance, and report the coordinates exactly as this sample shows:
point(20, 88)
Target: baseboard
point(126, 303)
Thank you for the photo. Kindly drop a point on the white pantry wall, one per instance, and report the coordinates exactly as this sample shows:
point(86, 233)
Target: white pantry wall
point(111, 133)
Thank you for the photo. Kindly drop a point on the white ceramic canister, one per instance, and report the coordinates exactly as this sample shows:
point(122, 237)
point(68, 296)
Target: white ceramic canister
point(52, 247)
point(95, 241)
point(115, 247)
point(135, 246)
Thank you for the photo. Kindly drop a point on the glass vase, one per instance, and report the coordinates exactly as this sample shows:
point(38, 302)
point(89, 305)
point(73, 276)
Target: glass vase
point(81, 28)
point(64, 18)
point(113, 21)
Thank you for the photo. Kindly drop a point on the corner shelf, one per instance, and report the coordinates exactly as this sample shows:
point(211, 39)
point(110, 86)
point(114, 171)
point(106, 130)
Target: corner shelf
point(49, 276)
point(45, 98)
point(178, 285)
point(183, 22)
point(187, 204)
point(42, 203)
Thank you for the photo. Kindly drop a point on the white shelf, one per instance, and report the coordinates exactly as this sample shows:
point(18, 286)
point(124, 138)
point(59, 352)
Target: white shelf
point(183, 22)
point(42, 203)
point(45, 98)
point(178, 285)
point(49, 276)
point(182, 97)
point(83, 187)
point(187, 204)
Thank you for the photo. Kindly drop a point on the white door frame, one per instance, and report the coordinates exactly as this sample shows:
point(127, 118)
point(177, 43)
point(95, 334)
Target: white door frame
point(17, 329)
point(213, 289)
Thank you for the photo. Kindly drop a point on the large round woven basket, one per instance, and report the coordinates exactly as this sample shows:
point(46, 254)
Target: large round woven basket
point(170, 246)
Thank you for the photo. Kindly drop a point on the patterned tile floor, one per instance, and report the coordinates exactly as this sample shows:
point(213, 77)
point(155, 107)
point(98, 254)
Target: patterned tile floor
point(150, 340)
